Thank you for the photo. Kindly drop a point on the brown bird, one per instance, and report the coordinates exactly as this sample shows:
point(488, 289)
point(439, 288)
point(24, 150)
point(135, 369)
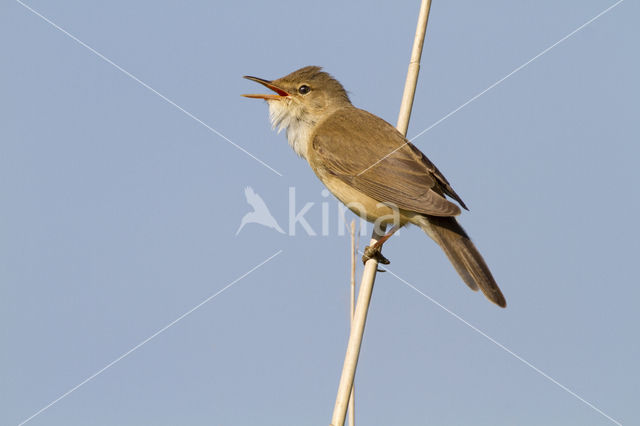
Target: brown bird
point(372, 168)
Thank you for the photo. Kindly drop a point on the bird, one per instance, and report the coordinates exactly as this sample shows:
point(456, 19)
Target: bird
point(372, 168)
point(260, 214)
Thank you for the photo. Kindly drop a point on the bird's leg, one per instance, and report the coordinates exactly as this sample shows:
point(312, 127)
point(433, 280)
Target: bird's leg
point(375, 251)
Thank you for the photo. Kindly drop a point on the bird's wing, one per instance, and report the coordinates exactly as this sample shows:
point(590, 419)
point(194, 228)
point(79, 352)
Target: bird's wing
point(381, 163)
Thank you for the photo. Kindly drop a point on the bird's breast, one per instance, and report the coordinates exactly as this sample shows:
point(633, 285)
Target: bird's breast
point(298, 135)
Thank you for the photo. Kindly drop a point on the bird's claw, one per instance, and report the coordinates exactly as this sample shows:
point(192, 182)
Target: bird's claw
point(373, 252)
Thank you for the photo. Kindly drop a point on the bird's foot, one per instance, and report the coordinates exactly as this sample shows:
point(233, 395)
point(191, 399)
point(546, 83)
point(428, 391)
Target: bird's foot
point(373, 252)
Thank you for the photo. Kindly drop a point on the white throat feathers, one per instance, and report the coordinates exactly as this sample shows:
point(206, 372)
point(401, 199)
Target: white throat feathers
point(292, 117)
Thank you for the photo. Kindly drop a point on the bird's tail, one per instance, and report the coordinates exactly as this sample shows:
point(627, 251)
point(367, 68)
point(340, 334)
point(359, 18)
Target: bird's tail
point(463, 254)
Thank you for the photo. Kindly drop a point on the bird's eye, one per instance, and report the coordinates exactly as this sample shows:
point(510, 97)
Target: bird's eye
point(304, 89)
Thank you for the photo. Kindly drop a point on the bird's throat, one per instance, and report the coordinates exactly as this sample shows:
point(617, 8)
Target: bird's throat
point(288, 115)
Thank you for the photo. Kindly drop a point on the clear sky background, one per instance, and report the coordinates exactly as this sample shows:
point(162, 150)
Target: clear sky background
point(119, 214)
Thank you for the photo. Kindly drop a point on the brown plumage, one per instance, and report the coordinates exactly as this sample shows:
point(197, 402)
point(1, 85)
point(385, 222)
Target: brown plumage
point(372, 168)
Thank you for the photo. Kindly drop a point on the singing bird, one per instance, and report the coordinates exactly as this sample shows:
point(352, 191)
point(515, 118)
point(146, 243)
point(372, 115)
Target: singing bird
point(372, 168)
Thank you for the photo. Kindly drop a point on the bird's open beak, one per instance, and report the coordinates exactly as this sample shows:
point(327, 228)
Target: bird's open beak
point(280, 93)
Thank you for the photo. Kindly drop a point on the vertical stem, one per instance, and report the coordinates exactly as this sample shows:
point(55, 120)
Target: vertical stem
point(371, 267)
point(414, 68)
point(355, 338)
point(352, 402)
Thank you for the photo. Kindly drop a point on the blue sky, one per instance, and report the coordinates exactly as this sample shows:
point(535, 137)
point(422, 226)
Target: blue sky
point(120, 206)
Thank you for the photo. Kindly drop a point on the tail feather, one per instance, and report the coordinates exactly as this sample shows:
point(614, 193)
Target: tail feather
point(464, 256)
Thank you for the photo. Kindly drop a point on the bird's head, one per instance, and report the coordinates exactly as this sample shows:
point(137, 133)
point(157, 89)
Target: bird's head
point(307, 94)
